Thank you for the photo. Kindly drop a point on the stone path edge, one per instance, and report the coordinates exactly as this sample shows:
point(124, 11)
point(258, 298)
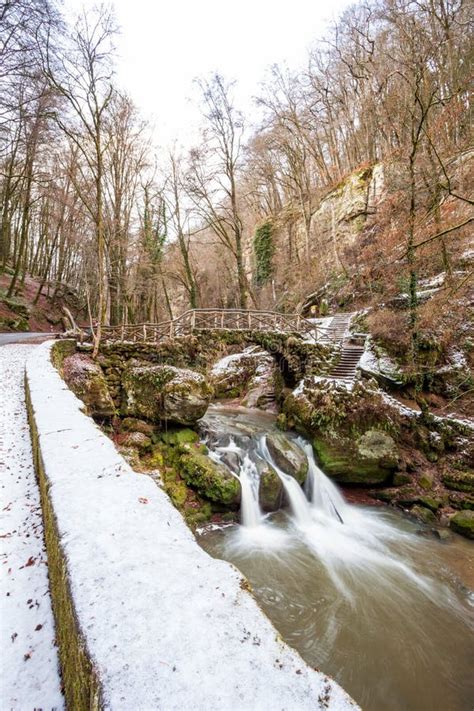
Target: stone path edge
point(81, 684)
point(91, 679)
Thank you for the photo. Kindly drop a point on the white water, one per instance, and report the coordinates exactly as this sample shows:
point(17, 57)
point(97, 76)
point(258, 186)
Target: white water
point(351, 587)
point(249, 481)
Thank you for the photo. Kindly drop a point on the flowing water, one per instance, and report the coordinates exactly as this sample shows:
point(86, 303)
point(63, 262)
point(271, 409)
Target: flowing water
point(356, 590)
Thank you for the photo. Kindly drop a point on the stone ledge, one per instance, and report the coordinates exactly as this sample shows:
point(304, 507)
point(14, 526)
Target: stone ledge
point(145, 618)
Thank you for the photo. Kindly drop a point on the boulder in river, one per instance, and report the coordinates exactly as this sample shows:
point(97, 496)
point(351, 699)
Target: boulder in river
point(463, 523)
point(287, 456)
point(348, 429)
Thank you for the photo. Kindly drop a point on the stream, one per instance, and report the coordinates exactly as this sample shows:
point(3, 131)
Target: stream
point(359, 591)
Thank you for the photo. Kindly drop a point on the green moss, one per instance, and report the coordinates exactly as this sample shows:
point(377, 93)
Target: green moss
point(423, 514)
point(264, 248)
point(463, 523)
point(182, 435)
point(62, 349)
point(211, 480)
point(459, 481)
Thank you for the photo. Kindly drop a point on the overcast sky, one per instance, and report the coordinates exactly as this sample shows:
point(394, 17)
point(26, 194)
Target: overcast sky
point(164, 45)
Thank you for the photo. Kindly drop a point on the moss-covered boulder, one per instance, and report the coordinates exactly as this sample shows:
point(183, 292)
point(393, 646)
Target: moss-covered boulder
point(423, 514)
point(287, 456)
point(270, 492)
point(165, 393)
point(210, 479)
point(132, 424)
point(352, 429)
point(87, 381)
point(463, 523)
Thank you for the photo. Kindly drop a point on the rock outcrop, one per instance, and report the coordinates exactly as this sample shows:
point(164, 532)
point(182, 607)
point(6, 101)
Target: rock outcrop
point(87, 381)
point(164, 393)
point(348, 428)
point(251, 375)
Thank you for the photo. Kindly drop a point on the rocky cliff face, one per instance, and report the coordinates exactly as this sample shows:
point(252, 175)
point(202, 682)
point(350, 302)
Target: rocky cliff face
point(337, 220)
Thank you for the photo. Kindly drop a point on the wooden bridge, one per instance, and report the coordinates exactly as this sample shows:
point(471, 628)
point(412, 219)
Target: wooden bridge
point(224, 320)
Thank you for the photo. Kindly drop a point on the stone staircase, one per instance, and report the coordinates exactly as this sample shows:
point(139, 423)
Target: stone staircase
point(347, 365)
point(350, 353)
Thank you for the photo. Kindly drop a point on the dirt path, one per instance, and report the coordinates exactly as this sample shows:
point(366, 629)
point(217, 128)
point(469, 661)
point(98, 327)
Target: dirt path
point(29, 661)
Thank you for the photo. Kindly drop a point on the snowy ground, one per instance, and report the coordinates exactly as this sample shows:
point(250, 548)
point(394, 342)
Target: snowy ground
point(165, 625)
point(29, 661)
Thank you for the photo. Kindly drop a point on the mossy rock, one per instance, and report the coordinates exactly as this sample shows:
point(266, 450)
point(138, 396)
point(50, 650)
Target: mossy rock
point(342, 460)
point(139, 440)
point(423, 514)
point(426, 481)
point(463, 523)
point(131, 424)
point(287, 456)
point(431, 503)
point(459, 481)
point(401, 478)
point(165, 393)
point(271, 490)
point(183, 435)
point(460, 500)
point(86, 380)
point(211, 480)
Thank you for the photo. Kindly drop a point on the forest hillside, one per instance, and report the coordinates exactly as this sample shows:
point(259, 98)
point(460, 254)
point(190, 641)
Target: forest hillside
point(349, 187)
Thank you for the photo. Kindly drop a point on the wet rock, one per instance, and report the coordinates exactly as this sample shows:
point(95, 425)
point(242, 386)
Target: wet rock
point(163, 392)
point(270, 493)
point(287, 456)
point(430, 502)
point(423, 514)
point(87, 381)
point(344, 424)
point(211, 480)
point(463, 523)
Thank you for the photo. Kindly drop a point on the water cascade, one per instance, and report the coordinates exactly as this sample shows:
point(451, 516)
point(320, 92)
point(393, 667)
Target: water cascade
point(354, 588)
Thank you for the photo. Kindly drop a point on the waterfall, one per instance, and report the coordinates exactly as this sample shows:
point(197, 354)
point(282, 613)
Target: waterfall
point(322, 493)
point(250, 512)
point(298, 502)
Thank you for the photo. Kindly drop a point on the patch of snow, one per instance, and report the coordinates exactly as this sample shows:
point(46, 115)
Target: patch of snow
point(165, 625)
point(433, 282)
point(371, 362)
point(30, 670)
point(229, 362)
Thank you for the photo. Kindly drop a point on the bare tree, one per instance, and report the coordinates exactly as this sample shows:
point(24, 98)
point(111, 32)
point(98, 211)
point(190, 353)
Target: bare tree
point(82, 75)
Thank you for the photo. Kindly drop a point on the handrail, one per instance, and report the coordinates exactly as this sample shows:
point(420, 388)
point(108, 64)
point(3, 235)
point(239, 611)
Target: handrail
point(218, 319)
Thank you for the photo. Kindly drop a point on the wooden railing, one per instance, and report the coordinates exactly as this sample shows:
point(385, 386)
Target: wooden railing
point(220, 319)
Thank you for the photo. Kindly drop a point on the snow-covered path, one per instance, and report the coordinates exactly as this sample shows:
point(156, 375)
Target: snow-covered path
point(29, 661)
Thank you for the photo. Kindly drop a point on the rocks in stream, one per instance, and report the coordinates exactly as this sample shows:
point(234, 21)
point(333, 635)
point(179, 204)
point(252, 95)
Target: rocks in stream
point(348, 429)
point(165, 393)
point(463, 523)
point(287, 456)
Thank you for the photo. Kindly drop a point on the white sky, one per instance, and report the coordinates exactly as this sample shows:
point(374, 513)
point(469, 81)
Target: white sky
point(164, 45)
